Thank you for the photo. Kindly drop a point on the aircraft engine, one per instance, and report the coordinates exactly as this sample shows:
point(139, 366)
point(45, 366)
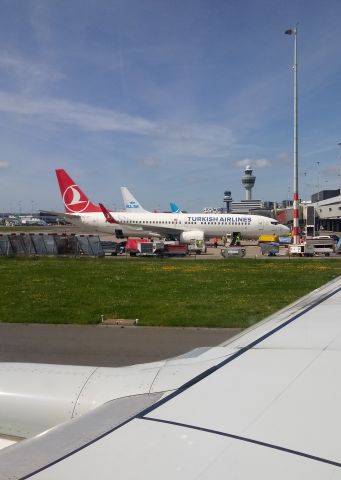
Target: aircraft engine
point(189, 236)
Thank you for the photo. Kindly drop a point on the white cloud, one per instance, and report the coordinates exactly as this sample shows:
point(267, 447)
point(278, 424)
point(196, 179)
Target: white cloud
point(258, 163)
point(79, 115)
point(200, 140)
point(27, 73)
point(3, 164)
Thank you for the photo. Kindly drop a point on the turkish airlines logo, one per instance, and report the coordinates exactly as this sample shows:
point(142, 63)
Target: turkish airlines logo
point(109, 218)
point(75, 200)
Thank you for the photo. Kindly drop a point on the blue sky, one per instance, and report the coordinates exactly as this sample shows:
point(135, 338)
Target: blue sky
point(169, 98)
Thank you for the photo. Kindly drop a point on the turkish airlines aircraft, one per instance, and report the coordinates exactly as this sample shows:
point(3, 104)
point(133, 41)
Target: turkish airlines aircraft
point(188, 227)
point(199, 226)
point(80, 211)
point(263, 405)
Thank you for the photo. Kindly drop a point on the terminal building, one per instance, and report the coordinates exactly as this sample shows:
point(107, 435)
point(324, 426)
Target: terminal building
point(326, 211)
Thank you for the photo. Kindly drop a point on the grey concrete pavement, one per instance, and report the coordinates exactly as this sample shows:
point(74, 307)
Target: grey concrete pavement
point(101, 345)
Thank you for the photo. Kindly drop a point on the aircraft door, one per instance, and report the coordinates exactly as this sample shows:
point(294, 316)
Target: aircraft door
point(261, 225)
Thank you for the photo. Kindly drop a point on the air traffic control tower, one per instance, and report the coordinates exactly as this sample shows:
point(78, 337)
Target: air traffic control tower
point(248, 180)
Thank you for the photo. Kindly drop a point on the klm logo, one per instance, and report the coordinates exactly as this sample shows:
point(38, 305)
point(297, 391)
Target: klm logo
point(132, 204)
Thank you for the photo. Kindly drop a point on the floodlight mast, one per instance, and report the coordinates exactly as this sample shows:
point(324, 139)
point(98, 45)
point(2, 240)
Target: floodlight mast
point(339, 144)
point(296, 232)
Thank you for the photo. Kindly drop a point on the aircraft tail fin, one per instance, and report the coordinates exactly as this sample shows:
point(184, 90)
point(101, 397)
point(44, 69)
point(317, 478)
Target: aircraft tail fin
point(108, 217)
point(174, 208)
point(75, 201)
point(130, 202)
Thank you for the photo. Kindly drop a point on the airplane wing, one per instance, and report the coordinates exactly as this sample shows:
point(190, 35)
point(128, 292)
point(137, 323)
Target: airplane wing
point(67, 216)
point(268, 408)
point(145, 228)
point(159, 229)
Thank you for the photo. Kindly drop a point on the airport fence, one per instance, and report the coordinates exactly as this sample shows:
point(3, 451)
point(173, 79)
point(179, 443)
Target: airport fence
point(27, 244)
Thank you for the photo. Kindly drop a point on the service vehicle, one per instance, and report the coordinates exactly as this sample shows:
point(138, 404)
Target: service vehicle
point(303, 249)
point(173, 249)
point(233, 252)
point(323, 245)
point(197, 247)
point(267, 239)
point(132, 245)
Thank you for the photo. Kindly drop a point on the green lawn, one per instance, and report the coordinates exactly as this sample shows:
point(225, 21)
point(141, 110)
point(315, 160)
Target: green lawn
point(211, 293)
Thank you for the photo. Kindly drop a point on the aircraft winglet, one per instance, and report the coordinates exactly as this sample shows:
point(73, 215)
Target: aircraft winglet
point(108, 217)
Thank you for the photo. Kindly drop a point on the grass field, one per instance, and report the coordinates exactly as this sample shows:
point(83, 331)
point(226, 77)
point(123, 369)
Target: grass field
point(235, 293)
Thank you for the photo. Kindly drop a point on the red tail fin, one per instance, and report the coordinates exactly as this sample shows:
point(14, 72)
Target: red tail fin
point(75, 201)
point(108, 217)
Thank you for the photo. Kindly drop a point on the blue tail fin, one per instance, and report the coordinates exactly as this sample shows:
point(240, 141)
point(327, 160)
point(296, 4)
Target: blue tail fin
point(175, 208)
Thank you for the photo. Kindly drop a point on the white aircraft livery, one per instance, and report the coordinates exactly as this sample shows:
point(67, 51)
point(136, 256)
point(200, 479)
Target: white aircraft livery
point(264, 405)
point(130, 202)
point(198, 226)
point(79, 210)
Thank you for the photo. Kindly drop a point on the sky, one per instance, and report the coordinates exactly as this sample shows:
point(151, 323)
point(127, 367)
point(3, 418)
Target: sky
point(171, 98)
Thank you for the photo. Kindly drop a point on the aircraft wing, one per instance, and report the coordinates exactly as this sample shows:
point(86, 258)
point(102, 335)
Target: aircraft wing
point(160, 229)
point(67, 216)
point(268, 409)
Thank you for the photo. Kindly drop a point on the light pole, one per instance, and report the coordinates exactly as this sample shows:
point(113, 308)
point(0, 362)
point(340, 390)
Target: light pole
point(318, 181)
point(339, 144)
point(296, 239)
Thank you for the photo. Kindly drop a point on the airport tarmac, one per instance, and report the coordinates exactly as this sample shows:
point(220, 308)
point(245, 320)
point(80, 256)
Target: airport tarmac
point(96, 345)
point(251, 246)
point(252, 251)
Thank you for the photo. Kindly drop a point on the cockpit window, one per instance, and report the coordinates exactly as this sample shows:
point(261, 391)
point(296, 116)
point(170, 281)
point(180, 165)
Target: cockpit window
point(274, 223)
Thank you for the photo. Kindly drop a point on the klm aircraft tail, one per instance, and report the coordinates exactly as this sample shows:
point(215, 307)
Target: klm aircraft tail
point(130, 202)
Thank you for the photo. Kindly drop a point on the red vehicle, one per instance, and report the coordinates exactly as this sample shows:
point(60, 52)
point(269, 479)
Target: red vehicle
point(132, 245)
point(175, 249)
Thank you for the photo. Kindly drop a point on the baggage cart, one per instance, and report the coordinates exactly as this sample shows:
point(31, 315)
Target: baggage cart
point(233, 252)
point(269, 249)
